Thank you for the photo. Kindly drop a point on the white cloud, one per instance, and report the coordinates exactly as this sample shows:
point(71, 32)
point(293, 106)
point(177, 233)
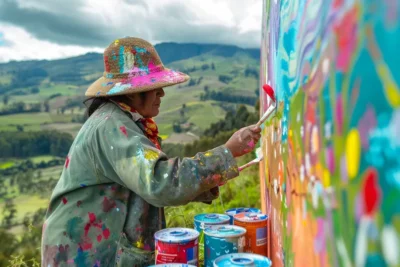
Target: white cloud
point(20, 45)
point(57, 29)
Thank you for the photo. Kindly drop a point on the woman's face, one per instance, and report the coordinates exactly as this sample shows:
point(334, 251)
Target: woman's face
point(148, 103)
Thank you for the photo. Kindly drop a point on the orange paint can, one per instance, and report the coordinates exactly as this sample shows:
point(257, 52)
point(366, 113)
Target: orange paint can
point(256, 226)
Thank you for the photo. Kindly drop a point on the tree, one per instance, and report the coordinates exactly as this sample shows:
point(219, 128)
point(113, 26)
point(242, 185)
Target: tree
point(35, 90)
point(224, 78)
point(8, 246)
point(212, 66)
point(6, 98)
point(192, 82)
point(19, 107)
point(46, 106)
point(9, 212)
point(176, 127)
point(206, 88)
point(205, 67)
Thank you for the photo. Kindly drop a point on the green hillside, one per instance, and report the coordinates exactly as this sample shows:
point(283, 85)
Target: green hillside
point(48, 93)
point(39, 97)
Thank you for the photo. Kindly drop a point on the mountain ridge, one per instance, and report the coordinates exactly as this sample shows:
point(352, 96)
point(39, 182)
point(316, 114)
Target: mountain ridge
point(166, 50)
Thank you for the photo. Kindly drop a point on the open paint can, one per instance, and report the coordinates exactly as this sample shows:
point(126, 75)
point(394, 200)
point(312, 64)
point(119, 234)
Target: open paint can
point(221, 240)
point(256, 225)
point(234, 211)
point(177, 245)
point(172, 265)
point(201, 221)
point(242, 260)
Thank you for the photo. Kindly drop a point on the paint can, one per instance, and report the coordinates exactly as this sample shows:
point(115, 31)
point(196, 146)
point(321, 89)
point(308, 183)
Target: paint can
point(256, 236)
point(234, 211)
point(201, 221)
point(172, 265)
point(242, 260)
point(221, 240)
point(177, 245)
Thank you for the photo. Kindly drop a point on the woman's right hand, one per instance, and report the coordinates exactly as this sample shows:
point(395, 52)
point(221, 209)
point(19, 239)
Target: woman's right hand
point(244, 140)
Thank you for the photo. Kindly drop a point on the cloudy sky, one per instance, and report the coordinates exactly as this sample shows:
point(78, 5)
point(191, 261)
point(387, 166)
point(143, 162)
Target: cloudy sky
point(49, 29)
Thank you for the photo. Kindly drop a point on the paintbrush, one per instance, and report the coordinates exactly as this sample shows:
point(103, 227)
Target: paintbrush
point(270, 92)
point(259, 157)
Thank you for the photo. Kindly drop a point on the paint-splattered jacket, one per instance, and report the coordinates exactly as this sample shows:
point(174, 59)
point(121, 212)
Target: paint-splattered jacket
point(108, 202)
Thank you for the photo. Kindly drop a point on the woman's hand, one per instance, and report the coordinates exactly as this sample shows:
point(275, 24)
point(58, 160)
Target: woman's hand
point(244, 140)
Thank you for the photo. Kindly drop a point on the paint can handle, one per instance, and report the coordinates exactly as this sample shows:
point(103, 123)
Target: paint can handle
point(177, 233)
point(225, 229)
point(242, 261)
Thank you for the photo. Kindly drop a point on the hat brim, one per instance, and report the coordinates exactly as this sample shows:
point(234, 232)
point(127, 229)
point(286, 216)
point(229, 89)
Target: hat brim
point(123, 86)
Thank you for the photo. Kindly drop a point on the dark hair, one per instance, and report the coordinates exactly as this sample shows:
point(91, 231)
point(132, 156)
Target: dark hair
point(93, 103)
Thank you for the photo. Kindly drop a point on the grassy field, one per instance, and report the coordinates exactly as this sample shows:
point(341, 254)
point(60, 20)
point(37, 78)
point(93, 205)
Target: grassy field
point(30, 203)
point(10, 162)
point(7, 164)
point(32, 121)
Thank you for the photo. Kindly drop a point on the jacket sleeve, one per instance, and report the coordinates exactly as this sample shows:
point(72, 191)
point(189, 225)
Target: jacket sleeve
point(129, 158)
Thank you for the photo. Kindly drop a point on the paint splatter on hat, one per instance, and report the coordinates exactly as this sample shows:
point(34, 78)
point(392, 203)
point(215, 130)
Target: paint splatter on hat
point(132, 65)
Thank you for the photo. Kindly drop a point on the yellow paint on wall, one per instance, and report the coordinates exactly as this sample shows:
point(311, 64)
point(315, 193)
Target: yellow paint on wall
point(326, 178)
point(391, 88)
point(353, 151)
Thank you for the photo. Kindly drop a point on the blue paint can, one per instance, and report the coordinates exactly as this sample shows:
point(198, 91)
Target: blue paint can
point(201, 221)
point(221, 240)
point(242, 260)
point(234, 211)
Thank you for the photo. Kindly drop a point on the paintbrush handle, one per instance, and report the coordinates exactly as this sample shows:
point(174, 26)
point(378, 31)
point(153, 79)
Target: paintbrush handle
point(266, 115)
point(254, 161)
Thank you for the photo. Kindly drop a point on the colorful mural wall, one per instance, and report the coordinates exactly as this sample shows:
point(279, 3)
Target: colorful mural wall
point(331, 176)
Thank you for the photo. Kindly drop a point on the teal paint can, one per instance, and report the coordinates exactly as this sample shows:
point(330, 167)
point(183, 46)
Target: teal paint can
point(221, 240)
point(242, 260)
point(232, 212)
point(201, 221)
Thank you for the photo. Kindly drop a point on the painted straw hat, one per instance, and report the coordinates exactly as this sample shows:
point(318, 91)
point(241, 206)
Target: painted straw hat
point(132, 65)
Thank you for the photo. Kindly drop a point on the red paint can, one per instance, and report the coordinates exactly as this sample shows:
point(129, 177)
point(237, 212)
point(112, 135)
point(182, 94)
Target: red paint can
point(177, 245)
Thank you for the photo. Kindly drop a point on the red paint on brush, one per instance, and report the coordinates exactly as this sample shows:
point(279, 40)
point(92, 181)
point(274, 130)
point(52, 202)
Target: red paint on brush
point(269, 91)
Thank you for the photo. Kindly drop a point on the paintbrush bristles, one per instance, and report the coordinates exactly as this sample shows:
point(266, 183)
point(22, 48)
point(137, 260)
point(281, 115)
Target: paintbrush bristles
point(269, 91)
point(254, 161)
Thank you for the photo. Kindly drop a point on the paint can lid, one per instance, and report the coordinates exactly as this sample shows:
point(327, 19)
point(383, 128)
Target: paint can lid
point(212, 218)
point(250, 217)
point(235, 211)
point(176, 235)
point(243, 260)
point(172, 265)
point(225, 231)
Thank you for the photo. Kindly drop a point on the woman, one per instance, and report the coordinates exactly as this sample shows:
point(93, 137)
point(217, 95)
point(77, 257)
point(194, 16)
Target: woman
point(116, 180)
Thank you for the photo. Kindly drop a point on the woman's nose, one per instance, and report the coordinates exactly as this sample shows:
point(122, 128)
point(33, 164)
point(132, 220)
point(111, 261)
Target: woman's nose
point(161, 92)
